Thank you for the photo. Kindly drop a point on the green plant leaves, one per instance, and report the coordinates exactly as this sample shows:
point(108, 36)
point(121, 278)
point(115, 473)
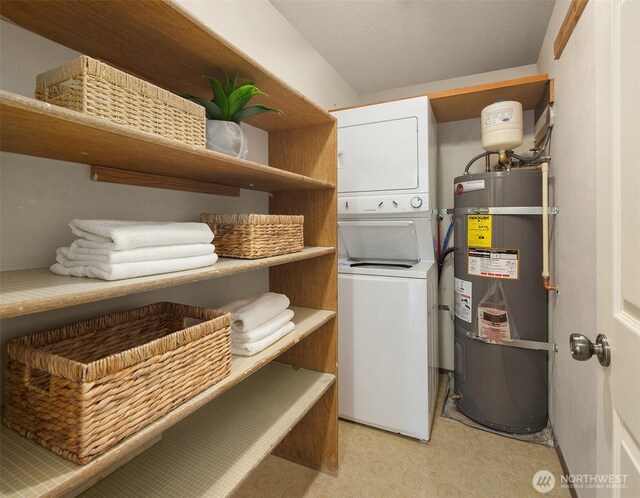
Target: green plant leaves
point(219, 97)
point(211, 108)
point(253, 110)
point(240, 97)
point(230, 98)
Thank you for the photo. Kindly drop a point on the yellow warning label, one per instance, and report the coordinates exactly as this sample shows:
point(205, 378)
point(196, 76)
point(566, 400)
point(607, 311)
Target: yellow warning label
point(479, 230)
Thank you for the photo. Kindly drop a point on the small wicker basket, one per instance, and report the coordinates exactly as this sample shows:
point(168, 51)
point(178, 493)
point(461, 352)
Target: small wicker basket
point(80, 389)
point(97, 89)
point(251, 236)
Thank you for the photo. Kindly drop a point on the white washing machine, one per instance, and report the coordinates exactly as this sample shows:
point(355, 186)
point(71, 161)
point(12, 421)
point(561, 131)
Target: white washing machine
point(387, 325)
point(387, 276)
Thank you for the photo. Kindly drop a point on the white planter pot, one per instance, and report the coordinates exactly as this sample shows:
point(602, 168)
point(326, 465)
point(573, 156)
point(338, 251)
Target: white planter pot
point(227, 137)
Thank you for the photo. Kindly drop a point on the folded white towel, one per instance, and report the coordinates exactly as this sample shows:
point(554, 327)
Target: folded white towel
point(251, 348)
point(250, 312)
point(118, 271)
point(87, 256)
point(120, 235)
point(261, 331)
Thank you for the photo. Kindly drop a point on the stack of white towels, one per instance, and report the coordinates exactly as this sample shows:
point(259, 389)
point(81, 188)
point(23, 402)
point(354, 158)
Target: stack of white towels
point(114, 250)
point(258, 321)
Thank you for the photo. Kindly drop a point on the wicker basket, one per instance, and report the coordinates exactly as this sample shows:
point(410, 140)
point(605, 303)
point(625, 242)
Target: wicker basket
point(252, 236)
point(79, 390)
point(94, 88)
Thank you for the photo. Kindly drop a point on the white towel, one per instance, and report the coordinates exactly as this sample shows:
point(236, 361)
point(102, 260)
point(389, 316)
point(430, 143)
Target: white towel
point(87, 256)
point(120, 235)
point(250, 312)
point(261, 331)
point(249, 349)
point(118, 271)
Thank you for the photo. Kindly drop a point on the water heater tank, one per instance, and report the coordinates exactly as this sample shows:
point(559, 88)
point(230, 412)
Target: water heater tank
point(502, 126)
point(501, 384)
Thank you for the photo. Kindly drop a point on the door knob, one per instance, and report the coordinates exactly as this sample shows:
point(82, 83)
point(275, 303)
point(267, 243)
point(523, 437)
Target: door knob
point(582, 348)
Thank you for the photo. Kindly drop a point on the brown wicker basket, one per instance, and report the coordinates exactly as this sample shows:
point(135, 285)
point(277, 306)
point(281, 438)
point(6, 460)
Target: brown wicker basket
point(97, 89)
point(80, 389)
point(252, 236)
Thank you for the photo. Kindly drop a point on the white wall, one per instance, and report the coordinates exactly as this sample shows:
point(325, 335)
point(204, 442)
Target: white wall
point(38, 197)
point(573, 402)
point(258, 29)
point(458, 142)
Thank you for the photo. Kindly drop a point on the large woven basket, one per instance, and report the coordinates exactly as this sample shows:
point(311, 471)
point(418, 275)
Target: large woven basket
point(95, 88)
point(79, 390)
point(252, 236)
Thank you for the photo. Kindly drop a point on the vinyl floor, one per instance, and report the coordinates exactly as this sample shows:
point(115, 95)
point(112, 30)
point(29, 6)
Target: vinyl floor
point(458, 461)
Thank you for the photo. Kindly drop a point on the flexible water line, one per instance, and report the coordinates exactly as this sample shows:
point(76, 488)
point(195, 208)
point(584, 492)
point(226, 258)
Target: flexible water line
point(446, 238)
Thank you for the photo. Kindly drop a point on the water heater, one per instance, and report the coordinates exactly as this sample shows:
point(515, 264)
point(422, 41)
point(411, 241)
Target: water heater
point(500, 304)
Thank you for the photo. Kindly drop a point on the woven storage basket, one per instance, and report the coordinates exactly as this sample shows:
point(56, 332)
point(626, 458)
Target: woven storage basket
point(252, 236)
point(95, 88)
point(79, 390)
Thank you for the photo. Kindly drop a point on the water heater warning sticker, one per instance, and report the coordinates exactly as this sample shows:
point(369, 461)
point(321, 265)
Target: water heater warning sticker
point(463, 299)
point(493, 263)
point(479, 230)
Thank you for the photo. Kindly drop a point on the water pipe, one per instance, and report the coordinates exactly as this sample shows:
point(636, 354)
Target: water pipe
point(445, 244)
point(545, 228)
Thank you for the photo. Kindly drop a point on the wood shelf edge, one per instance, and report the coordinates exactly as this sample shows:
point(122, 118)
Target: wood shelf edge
point(454, 92)
point(91, 290)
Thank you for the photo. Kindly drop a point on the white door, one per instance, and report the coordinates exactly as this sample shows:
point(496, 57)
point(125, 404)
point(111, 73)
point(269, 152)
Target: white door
point(618, 201)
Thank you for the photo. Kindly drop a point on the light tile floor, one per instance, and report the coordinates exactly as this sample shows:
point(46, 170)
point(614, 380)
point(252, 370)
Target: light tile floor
point(458, 461)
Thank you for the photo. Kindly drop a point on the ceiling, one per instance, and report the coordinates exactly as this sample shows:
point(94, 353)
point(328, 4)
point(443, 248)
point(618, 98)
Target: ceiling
point(383, 44)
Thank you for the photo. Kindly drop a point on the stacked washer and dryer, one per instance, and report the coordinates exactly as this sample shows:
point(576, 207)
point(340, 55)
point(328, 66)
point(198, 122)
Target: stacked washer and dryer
point(387, 273)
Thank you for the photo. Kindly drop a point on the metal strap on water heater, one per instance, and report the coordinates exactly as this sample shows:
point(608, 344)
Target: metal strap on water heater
point(514, 343)
point(513, 210)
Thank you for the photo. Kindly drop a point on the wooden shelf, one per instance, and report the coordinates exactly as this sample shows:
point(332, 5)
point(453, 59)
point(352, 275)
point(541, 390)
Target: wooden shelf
point(39, 129)
point(213, 450)
point(162, 43)
point(23, 292)
point(259, 412)
point(468, 102)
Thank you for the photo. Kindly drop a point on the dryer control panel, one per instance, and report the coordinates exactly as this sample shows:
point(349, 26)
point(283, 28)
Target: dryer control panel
point(383, 205)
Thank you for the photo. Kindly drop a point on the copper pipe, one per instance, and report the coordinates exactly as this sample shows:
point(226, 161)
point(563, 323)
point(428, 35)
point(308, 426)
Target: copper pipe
point(547, 285)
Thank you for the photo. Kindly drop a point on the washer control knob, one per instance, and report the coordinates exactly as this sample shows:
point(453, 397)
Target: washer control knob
point(416, 202)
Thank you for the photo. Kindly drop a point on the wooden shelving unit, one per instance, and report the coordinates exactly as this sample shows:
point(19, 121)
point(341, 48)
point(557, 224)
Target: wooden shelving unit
point(30, 470)
point(140, 37)
point(23, 292)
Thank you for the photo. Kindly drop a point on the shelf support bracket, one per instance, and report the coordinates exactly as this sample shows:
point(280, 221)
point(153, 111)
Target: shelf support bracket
point(114, 175)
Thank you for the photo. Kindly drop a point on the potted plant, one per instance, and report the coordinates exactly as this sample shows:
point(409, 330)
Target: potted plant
point(225, 110)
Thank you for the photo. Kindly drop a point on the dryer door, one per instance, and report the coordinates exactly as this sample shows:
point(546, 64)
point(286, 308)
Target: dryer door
point(378, 157)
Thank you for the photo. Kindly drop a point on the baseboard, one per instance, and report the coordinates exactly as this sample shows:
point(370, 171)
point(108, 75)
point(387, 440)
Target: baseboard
point(565, 470)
